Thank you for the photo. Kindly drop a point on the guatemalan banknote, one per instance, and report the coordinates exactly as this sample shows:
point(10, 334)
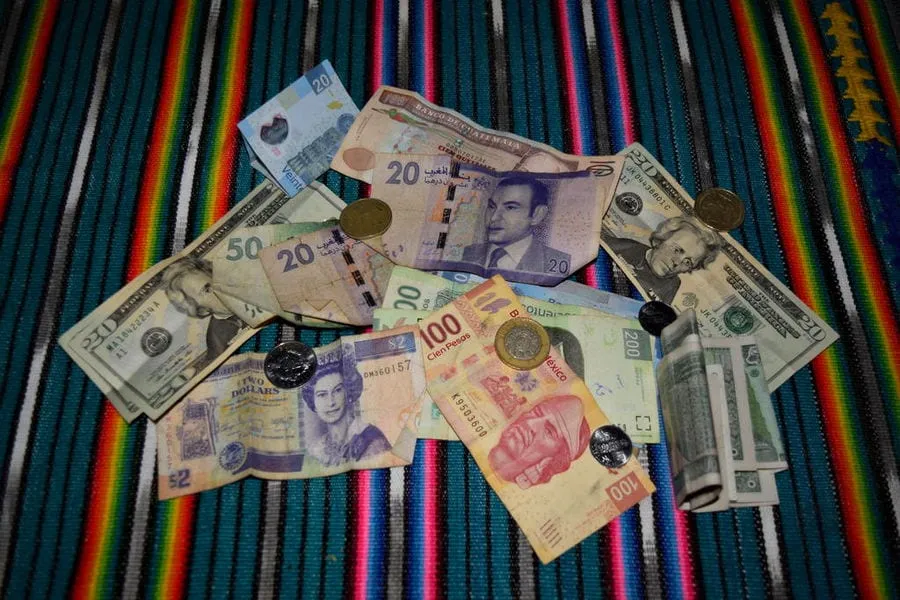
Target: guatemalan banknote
point(292, 138)
point(528, 431)
point(724, 443)
point(359, 411)
point(530, 227)
point(238, 272)
point(161, 334)
point(401, 122)
point(652, 234)
point(327, 275)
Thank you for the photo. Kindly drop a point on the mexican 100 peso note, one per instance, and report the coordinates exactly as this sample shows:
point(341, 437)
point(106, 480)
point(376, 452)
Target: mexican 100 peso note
point(401, 122)
point(161, 334)
point(528, 431)
point(651, 232)
point(358, 411)
point(612, 355)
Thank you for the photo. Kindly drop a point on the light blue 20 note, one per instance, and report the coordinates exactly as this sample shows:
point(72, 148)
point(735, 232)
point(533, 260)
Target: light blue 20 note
point(293, 136)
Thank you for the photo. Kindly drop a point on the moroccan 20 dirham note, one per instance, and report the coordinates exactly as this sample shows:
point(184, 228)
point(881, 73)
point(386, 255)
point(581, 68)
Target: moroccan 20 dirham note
point(402, 122)
point(530, 227)
point(528, 431)
point(161, 334)
point(238, 271)
point(651, 232)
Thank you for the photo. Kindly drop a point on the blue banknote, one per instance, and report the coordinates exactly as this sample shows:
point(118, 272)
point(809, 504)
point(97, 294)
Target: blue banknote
point(292, 138)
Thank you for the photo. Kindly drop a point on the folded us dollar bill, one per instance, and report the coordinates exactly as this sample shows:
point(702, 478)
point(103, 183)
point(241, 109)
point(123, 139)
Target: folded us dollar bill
point(359, 410)
point(724, 443)
point(651, 232)
point(161, 334)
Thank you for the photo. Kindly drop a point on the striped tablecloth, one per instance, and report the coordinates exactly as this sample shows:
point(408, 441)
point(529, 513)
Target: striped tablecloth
point(118, 143)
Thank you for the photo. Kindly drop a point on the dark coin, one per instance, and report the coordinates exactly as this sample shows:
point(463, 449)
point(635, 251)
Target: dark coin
point(611, 446)
point(656, 316)
point(290, 364)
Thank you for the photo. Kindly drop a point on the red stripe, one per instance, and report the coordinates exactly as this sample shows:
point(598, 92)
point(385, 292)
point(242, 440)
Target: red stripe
point(376, 48)
point(430, 90)
point(238, 93)
point(568, 67)
point(102, 479)
point(827, 394)
point(179, 559)
point(34, 72)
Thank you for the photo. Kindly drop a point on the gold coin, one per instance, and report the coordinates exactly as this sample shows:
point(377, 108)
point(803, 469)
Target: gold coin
point(366, 218)
point(522, 343)
point(719, 208)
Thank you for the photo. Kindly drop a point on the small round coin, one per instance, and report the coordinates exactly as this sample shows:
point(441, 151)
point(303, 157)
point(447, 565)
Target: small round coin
point(719, 208)
point(610, 446)
point(366, 218)
point(655, 316)
point(290, 364)
point(522, 343)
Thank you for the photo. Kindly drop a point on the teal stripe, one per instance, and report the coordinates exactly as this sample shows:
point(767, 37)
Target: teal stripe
point(313, 547)
point(518, 85)
point(227, 528)
point(204, 545)
point(752, 552)
point(335, 559)
point(292, 537)
point(592, 568)
point(248, 542)
point(551, 80)
point(479, 531)
point(98, 264)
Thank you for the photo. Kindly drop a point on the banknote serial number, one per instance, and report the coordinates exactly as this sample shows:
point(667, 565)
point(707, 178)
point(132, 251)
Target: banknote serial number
point(470, 417)
point(398, 367)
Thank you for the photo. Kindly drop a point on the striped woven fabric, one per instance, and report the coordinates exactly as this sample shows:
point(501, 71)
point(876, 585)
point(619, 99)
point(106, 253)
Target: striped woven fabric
point(118, 143)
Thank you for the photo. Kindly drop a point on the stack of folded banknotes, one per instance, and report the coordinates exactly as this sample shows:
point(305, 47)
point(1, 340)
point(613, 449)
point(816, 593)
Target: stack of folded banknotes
point(461, 262)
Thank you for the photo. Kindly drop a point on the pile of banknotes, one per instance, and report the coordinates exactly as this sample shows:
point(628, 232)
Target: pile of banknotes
point(461, 262)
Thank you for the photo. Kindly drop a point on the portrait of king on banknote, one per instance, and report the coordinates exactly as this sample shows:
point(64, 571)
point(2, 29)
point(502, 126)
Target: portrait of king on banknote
point(513, 216)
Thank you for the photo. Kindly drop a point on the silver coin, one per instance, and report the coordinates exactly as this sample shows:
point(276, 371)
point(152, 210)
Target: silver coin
point(523, 343)
point(611, 446)
point(290, 364)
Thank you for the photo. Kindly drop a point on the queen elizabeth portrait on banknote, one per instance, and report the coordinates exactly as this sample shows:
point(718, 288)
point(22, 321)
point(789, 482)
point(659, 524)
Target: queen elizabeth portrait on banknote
point(336, 433)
